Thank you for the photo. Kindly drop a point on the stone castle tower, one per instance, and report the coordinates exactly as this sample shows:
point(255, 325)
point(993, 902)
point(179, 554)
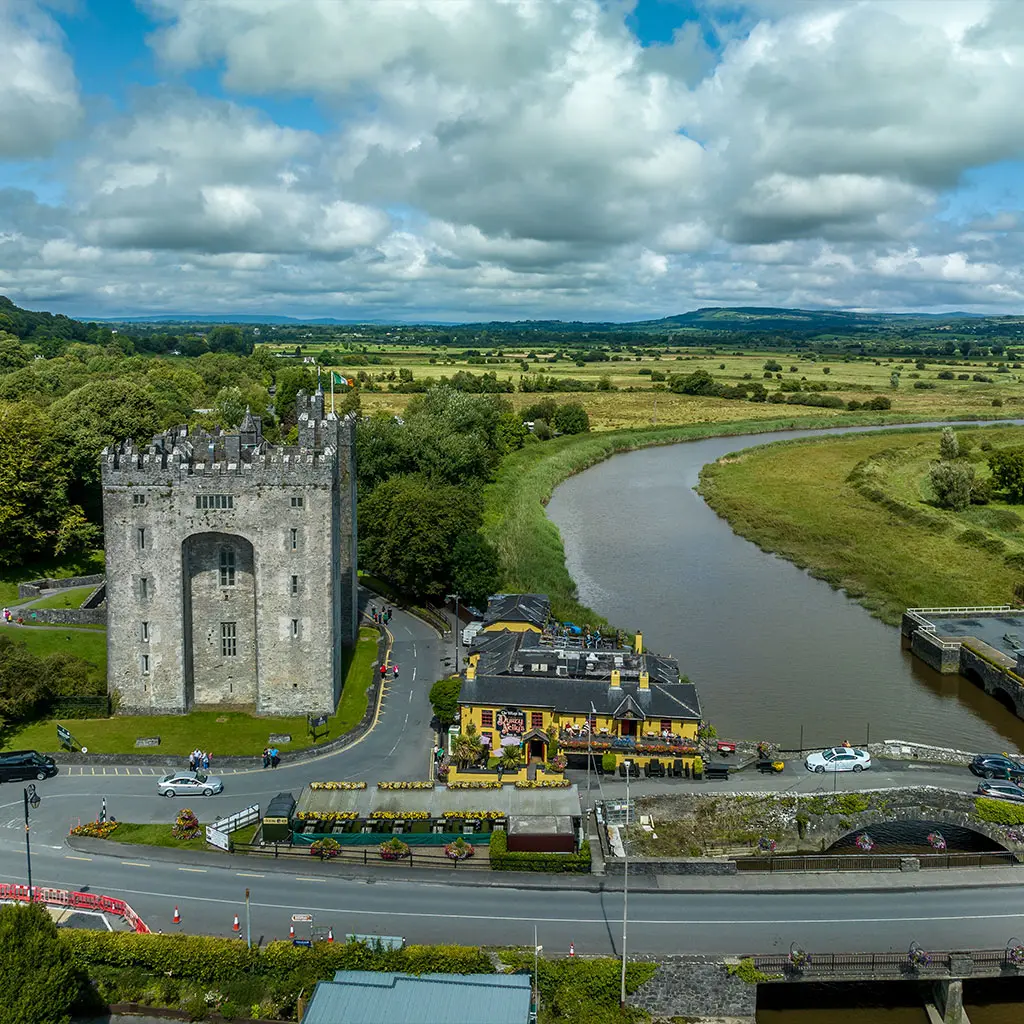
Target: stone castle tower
point(231, 567)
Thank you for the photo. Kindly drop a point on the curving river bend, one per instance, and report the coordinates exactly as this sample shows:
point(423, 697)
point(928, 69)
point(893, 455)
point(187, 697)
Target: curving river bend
point(769, 647)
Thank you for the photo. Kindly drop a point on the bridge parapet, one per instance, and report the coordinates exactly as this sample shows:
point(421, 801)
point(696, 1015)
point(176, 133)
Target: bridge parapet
point(975, 963)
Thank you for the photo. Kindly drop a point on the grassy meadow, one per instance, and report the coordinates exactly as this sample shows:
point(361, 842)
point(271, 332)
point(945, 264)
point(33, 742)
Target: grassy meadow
point(858, 512)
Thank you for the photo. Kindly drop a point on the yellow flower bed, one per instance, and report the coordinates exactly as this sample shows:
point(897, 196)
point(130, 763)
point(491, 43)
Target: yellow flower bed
point(326, 816)
point(95, 829)
point(543, 784)
point(488, 784)
point(405, 785)
point(490, 815)
point(399, 815)
point(337, 785)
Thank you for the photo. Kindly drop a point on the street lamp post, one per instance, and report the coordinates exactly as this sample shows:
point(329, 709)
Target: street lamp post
point(31, 797)
point(590, 729)
point(625, 886)
point(458, 631)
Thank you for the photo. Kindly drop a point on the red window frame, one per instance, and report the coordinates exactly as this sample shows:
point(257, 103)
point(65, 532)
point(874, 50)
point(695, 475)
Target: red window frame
point(536, 719)
point(487, 719)
point(666, 725)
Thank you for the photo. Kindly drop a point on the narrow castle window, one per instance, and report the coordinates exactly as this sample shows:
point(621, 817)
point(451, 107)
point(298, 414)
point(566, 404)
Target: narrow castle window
point(296, 501)
point(145, 664)
point(295, 585)
point(204, 501)
point(228, 640)
point(295, 628)
point(144, 587)
point(227, 567)
point(295, 539)
point(138, 499)
point(140, 535)
point(145, 632)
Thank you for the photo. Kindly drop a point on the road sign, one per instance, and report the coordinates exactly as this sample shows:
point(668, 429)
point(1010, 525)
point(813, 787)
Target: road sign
point(215, 837)
point(318, 721)
point(65, 738)
point(302, 942)
point(302, 917)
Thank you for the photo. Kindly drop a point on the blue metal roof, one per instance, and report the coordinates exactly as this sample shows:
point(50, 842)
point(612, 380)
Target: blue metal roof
point(385, 997)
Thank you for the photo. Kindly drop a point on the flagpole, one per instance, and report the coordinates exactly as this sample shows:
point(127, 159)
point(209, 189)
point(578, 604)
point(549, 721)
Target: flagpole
point(332, 392)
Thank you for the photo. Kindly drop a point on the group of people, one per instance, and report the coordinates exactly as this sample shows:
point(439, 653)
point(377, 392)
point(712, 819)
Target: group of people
point(382, 617)
point(271, 757)
point(384, 671)
point(199, 759)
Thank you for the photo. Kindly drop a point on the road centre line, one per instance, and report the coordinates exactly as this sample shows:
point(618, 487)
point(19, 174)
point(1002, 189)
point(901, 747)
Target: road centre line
point(71, 856)
point(247, 874)
point(134, 864)
point(195, 871)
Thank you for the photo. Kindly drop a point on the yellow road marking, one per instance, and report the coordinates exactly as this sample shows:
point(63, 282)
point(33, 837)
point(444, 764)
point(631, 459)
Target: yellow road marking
point(197, 871)
point(135, 863)
point(71, 856)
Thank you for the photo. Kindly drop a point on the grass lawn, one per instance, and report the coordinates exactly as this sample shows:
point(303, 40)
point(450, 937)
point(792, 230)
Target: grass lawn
point(882, 540)
point(160, 834)
point(70, 598)
point(10, 577)
point(222, 733)
point(91, 645)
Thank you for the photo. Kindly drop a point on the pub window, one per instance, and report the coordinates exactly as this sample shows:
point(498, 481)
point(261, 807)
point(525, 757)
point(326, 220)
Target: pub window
point(145, 664)
point(138, 499)
point(296, 501)
point(144, 587)
point(145, 632)
point(295, 628)
point(536, 719)
point(295, 585)
point(140, 536)
point(228, 640)
point(487, 719)
point(227, 567)
point(215, 501)
point(666, 725)
point(294, 538)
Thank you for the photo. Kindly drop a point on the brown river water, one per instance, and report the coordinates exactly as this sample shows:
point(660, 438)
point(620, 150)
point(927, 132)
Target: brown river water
point(770, 648)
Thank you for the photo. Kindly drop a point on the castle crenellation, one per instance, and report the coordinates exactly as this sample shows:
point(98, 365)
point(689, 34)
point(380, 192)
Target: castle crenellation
point(231, 566)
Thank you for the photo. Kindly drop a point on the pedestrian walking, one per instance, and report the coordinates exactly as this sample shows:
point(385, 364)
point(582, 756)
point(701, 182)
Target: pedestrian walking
point(374, 613)
point(206, 761)
point(383, 670)
point(266, 757)
point(394, 668)
point(192, 761)
point(275, 756)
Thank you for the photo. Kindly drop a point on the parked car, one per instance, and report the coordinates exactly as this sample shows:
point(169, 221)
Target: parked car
point(16, 765)
point(189, 784)
point(469, 632)
point(1001, 791)
point(997, 766)
point(838, 759)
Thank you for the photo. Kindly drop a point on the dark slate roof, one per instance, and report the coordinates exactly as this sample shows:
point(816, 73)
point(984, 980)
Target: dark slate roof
point(532, 608)
point(385, 997)
point(574, 696)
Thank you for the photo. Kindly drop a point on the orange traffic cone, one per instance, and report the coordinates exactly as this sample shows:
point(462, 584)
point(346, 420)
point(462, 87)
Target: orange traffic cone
point(177, 916)
point(330, 934)
point(291, 931)
point(234, 927)
point(572, 949)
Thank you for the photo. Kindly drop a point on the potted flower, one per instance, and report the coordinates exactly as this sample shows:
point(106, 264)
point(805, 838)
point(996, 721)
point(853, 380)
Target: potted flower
point(799, 959)
point(865, 842)
point(325, 848)
point(936, 840)
point(393, 849)
point(917, 957)
point(458, 850)
point(766, 844)
point(558, 762)
point(698, 767)
point(1015, 954)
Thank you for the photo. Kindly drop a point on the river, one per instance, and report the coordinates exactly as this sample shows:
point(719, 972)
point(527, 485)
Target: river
point(771, 649)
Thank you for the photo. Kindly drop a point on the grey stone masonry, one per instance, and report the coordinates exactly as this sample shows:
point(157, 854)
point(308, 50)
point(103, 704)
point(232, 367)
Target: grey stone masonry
point(231, 567)
point(694, 986)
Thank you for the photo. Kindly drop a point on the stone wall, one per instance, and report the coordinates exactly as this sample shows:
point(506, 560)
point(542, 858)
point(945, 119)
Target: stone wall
point(35, 588)
point(650, 866)
point(66, 616)
point(902, 750)
point(996, 680)
point(694, 986)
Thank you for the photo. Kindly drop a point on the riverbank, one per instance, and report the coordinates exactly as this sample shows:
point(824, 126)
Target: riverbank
point(856, 512)
point(530, 549)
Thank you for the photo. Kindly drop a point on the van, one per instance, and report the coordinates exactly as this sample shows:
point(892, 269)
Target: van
point(16, 765)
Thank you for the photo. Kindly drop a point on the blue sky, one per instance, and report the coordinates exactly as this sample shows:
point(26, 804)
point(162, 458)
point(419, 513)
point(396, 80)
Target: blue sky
point(468, 159)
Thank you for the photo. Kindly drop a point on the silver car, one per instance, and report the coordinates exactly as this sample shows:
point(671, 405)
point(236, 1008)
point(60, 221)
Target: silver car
point(1001, 791)
point(189, 784)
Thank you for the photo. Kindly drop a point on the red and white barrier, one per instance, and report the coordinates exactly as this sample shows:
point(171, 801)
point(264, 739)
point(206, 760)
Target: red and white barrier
point(73, 900)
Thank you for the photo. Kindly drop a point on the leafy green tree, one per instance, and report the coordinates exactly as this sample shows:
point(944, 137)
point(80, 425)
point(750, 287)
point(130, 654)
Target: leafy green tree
point(475, 569)
point(409, 528)
point(381, 450)
point(444, 699)
point(290, 381)
point(511, 435)
point(952, 483)
point(1007, 465)
point(13, 355)
point(544, 410)
point(700, 382)
point(894, 379)
point(39, 981)
point(230, 405)
point(572, 418)
point(949, 445)
point(228, 338)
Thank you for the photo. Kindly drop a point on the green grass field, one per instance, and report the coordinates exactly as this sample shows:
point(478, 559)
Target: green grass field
point(40, 640)
point(87, 565)
point(221, 733)
point(877, 535)
point(160, 834)
point(72, 597)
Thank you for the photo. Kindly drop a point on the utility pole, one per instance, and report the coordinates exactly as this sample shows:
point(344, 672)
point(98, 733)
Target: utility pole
point(248, 922)
point(590, 728)
point(625, 886)
point(458, 630)
point(536, 990)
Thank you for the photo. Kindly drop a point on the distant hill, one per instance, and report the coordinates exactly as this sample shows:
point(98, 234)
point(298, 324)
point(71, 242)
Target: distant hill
point(231, 318)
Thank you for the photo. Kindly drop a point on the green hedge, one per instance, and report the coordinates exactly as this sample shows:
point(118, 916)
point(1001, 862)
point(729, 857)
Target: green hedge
point(504, 860)
point(208, 959)
point(999, 812)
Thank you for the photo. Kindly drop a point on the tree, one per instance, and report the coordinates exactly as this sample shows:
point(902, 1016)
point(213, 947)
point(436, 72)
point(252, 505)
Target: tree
point(39, 981)
point(230, 406)
point(544, 410)
point(1007, 467)
point(773, 364)
point(952, 483)
point(228, 338)
point(572, 418)
point(13, 355)
point(290, 381)
point(511, 757)
point(475, 569)
point(700, 382)
point(467, 747)
point(444, 698)
point(409, 528)
point(511, 435)
point(949, 446)
point(894, 379)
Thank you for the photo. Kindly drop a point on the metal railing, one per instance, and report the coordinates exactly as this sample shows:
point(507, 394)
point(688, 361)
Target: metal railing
point(962, 610)
point(957, 964)
point(368, 855)
point(874, 862)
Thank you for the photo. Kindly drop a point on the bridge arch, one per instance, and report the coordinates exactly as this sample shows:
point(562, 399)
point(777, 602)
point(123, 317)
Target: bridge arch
point(917, 824)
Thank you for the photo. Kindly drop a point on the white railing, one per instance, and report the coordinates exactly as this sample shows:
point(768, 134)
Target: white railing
point(978, 609)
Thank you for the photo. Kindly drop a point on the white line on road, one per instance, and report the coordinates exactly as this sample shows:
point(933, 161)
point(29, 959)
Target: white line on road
point(410, 696)
point(305, 879)
point(413, 676)
point(408, 630)
point(414, 650)
point(246, 874)
point(134, 864)
point(195, 871)
point(71, 856)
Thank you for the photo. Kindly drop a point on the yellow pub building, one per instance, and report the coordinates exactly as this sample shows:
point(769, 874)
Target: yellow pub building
point(542, 685)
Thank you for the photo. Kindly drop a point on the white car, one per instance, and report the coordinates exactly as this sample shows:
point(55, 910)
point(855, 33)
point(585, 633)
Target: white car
point(839, 759)
point(189, 784)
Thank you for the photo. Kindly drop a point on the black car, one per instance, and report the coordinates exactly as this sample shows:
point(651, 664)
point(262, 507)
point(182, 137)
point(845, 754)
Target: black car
point(17, 765)
point(997, 766)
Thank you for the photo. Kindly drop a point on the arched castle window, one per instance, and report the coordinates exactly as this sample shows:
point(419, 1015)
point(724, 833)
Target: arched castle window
point(227, 567)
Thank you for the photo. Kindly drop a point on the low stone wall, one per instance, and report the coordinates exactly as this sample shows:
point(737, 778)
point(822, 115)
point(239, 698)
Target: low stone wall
point(694, 986)
point(943, 657)
point(35, 588)
point(66, 616)
point(902, 750)
point(650, 866)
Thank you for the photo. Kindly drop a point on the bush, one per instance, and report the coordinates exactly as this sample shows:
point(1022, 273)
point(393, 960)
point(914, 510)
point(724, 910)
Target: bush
point(952, 483)
point(924, 385)
point(698, 765)
point(1015, 561)
point(945, 375)
point(608, 763)
point(572, 418)
point(503, 860)
point(879, 402)
point(444, 698)
point(999, 812)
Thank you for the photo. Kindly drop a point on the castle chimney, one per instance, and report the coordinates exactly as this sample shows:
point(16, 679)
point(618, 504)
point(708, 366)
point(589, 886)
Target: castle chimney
point(616, 683)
